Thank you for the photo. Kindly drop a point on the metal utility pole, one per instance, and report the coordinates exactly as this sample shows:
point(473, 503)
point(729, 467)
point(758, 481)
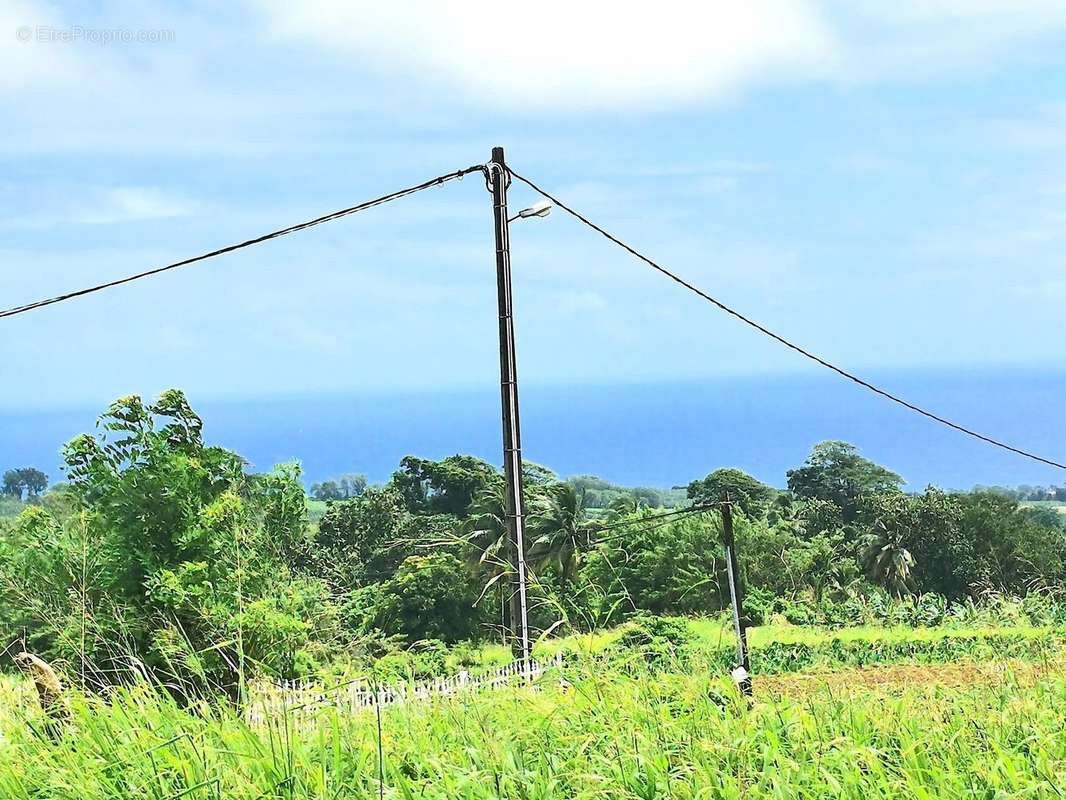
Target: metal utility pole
point(742, 673)
point(512, 436)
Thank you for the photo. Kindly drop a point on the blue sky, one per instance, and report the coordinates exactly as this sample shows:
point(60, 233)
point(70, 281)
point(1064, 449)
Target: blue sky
point(887, 186)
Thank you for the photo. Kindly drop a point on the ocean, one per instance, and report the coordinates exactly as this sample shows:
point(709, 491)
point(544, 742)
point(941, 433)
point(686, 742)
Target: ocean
point(651, 434)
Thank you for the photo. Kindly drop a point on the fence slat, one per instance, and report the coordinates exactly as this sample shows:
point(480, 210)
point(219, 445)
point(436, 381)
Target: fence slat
point(291, 696)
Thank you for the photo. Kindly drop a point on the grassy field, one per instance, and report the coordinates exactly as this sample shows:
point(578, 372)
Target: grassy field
point(993, 732)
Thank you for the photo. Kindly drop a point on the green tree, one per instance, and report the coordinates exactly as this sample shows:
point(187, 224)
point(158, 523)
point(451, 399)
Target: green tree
point(835, 471)
point(782, 559)
point(486, 532)
point(355, 541)
point(447, 486)
point(181, 545)
point(1008, 548)
point(534, 475)
point(623, 505)
point(352, 485)
point(917, 543)
point(344, 488)
point(27, 482)
point(12, 486)
point(887, 560)
point(430, 597)
point(487, 546)
point(674, 568)
point(747, 493)
point(327, 490)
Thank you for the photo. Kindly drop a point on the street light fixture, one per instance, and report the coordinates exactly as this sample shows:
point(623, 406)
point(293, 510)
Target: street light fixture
point(541, 208)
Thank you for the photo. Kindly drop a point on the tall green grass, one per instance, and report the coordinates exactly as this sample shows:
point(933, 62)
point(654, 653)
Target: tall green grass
point(787, 648)
point(602, 734)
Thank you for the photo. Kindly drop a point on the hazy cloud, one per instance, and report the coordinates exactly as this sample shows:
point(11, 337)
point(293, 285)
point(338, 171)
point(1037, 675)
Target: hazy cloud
point(578, 57)
point(573, 55)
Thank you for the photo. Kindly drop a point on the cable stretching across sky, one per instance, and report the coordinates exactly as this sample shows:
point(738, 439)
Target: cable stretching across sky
point(344, 212)
point(10, 312)
point(782, 340)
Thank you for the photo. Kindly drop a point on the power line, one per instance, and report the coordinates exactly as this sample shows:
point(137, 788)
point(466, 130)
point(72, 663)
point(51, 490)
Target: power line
point(657, 519)
point(782, 340)
point(344, 212)
point(660, 515)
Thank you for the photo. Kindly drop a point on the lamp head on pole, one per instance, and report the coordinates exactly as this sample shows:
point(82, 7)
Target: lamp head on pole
point(541, 208)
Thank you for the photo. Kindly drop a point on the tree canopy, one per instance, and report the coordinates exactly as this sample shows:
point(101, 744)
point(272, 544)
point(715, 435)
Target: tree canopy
point(343, 488)
point(735, 485)
point(442, 487)
point(26, 482)
point(835, 471)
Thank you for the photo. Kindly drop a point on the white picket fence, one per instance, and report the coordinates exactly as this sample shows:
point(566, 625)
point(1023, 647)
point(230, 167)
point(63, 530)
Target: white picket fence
point(288, 698)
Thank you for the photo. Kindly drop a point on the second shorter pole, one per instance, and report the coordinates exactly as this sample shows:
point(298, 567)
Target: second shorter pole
point(742, 672)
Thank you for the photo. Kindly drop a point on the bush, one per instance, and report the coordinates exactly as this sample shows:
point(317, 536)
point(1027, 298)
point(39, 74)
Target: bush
point(1041, 608)
point(760, 605)
point(658, 639)
point(424, 660)
point(799, 613)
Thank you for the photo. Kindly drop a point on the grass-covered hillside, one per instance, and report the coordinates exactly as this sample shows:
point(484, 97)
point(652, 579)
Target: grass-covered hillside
point(648, 721)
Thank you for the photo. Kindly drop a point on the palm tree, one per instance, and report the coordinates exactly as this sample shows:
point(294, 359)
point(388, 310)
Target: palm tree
point(485, 530)
point(559, 532)
point(623, 505)
point(887, 560)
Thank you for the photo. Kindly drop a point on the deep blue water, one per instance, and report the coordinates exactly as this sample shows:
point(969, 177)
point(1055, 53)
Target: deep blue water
point(660, 434)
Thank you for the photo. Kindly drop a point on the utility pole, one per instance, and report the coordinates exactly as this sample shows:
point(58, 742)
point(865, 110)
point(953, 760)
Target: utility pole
point(512, 436)
point(742, 673)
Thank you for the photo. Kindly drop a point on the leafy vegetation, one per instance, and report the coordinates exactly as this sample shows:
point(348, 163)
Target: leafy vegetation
point(164, 552)
point(172, 558)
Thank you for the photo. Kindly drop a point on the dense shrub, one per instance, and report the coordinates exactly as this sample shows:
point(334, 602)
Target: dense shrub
point(659, 640)
point(172, 559)
point(665, 569)
point(426, 659)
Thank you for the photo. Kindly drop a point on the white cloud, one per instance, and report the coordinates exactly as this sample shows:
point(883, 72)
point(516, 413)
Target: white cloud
point(23, 62)
point(579, 301)
point(558, 53)
point(97, 206)
point(130, 203)
point(405, 64)
point(588, 56)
